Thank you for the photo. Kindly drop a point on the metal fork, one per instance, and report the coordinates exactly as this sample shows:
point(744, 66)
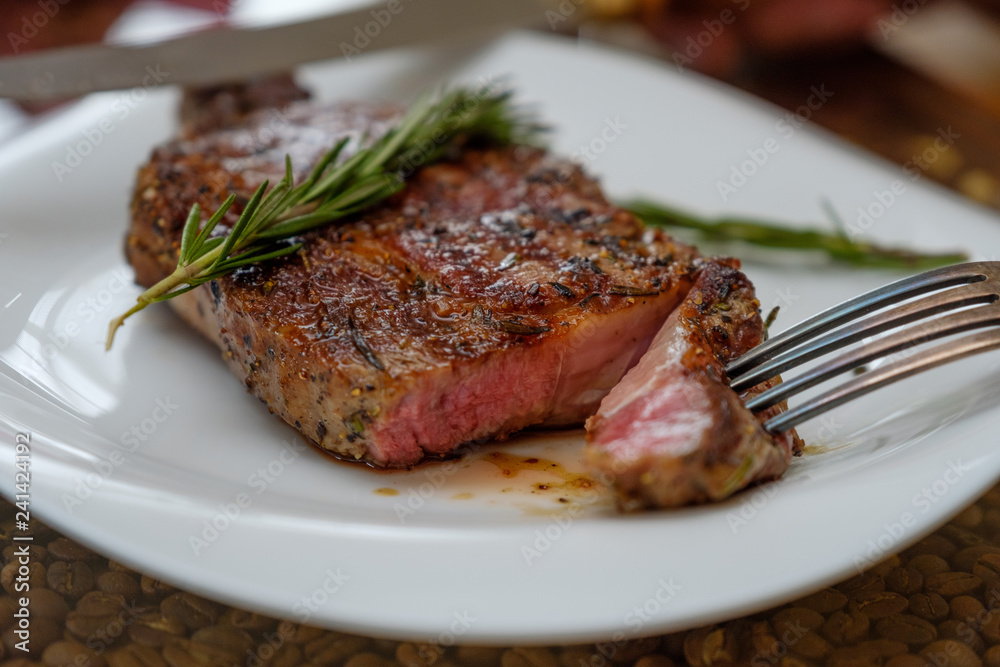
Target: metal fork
point(974, 287)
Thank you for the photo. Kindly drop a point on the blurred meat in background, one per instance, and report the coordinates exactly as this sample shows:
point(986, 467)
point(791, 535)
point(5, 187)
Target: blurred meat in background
point(30, 25)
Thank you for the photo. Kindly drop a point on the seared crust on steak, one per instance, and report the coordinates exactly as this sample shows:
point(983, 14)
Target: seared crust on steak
point(497, 291)
point(673, 432)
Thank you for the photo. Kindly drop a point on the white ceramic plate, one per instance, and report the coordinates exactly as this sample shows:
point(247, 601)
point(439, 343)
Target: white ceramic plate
point(464, 553)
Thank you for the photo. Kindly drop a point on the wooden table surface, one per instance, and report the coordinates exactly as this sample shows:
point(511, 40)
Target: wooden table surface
point(934, 604)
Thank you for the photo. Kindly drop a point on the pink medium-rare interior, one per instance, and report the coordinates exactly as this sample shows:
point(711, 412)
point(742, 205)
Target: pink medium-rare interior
point(653, 407)
point(558, 381)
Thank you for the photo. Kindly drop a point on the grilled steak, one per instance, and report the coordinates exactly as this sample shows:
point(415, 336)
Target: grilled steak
point(497, 291)
point(672, 432)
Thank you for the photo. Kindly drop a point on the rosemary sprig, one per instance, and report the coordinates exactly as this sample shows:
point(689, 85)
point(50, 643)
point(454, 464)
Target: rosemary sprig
point(837, 244)
point(428, 130)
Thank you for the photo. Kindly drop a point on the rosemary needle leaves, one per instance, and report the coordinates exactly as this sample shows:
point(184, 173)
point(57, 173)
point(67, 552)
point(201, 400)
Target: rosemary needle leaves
point(837, 244)
point(427, 131)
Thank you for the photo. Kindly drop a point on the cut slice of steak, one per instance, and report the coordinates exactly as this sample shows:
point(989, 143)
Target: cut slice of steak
point(497, 291)
point(672, 432)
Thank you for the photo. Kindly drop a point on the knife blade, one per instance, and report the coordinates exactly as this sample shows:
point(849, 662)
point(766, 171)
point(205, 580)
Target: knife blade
point(233, 53)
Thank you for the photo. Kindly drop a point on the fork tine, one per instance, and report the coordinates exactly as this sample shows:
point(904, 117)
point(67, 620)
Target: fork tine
point(937, 279)
point(808, 350)
point(910, 337)
point(947, 352)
